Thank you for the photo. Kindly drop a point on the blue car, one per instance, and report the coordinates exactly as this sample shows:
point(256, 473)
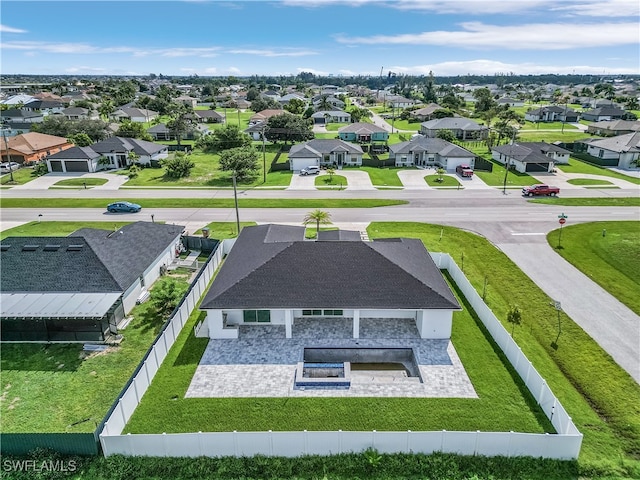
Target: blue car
point(123, 207)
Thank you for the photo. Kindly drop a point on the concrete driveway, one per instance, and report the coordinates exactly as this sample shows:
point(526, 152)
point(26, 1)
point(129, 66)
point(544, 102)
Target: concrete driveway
point(302, 182)
point(561, 180)
point(414, 179)
point(356, 179)
point(114, 182)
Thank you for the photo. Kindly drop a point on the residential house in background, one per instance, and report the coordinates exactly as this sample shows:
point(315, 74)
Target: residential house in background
point(462, 128)
point(265, 115)
point(45, 107)
point(510, 101)
point(325, 152)
point(21, 116)
point(425, 113)
point(423, 151)
point(79, 113)
point(187, 101)
point(551, 113)
point(322, 117)
point(362, 132)
point(139, 115)
point(105, 272)
point(162, 132)
point(272, 276)
point(208, 116)
point(622, 150)
point(319, 100)
point(530, 157)
point(114, 150)
point(611, 128)
point(32, 147)
point(602, 114)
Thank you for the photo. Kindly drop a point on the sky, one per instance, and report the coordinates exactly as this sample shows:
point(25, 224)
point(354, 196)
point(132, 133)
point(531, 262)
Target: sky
point(324, 37)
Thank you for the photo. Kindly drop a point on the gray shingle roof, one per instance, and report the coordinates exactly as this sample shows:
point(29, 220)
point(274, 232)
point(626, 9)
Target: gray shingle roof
point(123, 145)
point(84, 153)
point(361, 128)
point(629, 142)
point(430, 145)
point(453, 123)
point(522, 153)
point(106, 262)
point(388, 274)
point(322, 146)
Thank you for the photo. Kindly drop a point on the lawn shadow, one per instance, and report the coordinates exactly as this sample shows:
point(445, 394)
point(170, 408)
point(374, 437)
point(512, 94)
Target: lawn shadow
point(41, 357)
point(193, 347)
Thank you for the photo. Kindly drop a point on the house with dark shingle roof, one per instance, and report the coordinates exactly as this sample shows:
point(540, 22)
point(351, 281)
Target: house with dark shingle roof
point(79, 288)
point(116, 151)
point(622, 150)
point(272, 275)
point(363, 132)
point(551, 113)
point(326, 152)
point(462, 128)
point(530, 156)
point(208, 116)
point(421, 151)
point(611, 128)
point(602, 114)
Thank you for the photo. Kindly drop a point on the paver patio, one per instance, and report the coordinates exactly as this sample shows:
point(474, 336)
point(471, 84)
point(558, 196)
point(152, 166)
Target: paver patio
point(262, 362)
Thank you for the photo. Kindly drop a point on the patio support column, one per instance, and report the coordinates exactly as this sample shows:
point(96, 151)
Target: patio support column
point(288, 317)
point(356, 324)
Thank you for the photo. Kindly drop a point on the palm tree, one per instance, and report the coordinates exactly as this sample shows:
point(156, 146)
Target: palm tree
point(318, 216)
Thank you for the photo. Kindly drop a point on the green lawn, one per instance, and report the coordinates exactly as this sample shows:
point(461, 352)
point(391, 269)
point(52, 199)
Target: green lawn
point(588, 181)
point(547, 126)
point(601, 398)
point(81, 182)
point(58, 388)
point(56, 229)
point(20, 177)
point(502, 406)
point(334, 127)
point(223, 230)
point(568, 136)
point(578, 166)
point(330, 181)
point(495, 178)
point(608, 253)
point(447, 181)
point(590, 202)
point(204, 203)
point(383, 177)
point(405, 125)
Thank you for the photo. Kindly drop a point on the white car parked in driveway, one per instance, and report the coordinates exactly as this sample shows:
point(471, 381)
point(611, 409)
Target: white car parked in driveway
point(7, 167)
point(312, 170)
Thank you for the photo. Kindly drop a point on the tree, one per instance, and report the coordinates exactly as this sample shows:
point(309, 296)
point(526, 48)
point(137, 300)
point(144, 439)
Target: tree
point(440, 171)
point(80, 139)
point(63, 127)
point(133, 170)
point(317, 216)
point(514, 317)
point(133, 157)
point(295, 106)
point(331, 172)
point(262, 103)
point(179, 126)
point(129, 129)
point(241, 160)
point(252, 94)
point(446, 134)
point(324, 103)
point(357, 113)
point(229, 136)
point(178, 167)
point(484, 100)
point(166, 294)
point(105, 108)
point(289, 128)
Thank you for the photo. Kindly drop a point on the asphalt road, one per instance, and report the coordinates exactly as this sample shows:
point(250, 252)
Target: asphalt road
point(511, 223)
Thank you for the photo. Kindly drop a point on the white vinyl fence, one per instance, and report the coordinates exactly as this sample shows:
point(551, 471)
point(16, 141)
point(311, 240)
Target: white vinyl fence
point(563, 445)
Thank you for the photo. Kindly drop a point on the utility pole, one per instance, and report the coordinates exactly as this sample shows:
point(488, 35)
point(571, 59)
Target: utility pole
point(6, 146)
point(235, 198)
point(264, 159)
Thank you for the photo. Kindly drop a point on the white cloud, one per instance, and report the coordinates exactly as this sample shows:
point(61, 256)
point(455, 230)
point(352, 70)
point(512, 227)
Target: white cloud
point(312, 70)
point(84, 48)
point(84, 69)
point(210, 71)
point(234, 70)
point(8, 29)
point(272, 53)
point(542, 36)
point(491, 67)
point(593, 8)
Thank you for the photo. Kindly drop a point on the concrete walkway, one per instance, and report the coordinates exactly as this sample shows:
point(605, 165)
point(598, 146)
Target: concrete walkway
point(414, 179)
point(356, 179)
point(114, 181)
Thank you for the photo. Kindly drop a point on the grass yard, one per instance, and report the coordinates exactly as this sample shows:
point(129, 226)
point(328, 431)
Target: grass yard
point(205, 203)
point(223, 230)
point(495, 178)
point(447, 181)
point(597, 393)
point(590, 202)
point(56, 229)
point(20, 177)
point(610, 260)
point(568, 136)
point(58, 387)
point(330, 181)
point(502, 406)
point(334, 127)
point(81, 182)
point(578, 166)
point(588, 181)
point(382, 177)
point(405, 125)
point(547, 126)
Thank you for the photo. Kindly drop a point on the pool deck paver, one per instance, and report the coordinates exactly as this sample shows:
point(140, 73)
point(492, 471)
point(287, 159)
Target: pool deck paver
point(262, 362)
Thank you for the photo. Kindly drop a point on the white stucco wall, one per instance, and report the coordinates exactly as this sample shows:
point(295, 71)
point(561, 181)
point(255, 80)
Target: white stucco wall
point(435, 323)
point(298, 164)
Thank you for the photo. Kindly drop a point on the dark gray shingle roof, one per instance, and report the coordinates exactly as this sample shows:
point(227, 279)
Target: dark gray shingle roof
point(344, 274)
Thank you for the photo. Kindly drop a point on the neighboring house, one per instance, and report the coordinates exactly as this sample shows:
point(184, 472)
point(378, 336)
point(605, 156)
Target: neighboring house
point(422, 151)
point(17, 100)
point(425, 113)
point(255, 130)
point(32, 147)
point(46, 107)
point(243, 104)
point(208, 116)
point(327, 152)
point(271, 95)
point(551, 113)
point(79, 113)
point(139, 115)
point(397, 101)
point(336, 103)
point(529, 157)
point(624, 149)
point(11, 129)
point(115, 150)
point(285, 99)
point(601, 114)
point(363, 132)
point(187, 101)
point(162, 132)
point(510, 101)
point(265, 115)
point(21, 116)
point(272, 276)
point(330, 116)
point(462, 128)
point(612, 128)
point(79, 288)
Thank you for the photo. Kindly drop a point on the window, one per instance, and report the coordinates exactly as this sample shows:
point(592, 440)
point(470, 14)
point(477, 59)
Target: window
point(307, 313)
point(253, 316)
point(333, 312)
point(601, 153)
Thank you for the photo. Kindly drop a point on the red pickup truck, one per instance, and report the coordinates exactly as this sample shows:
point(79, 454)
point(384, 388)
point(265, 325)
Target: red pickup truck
point(540, 190)
point(464, 171)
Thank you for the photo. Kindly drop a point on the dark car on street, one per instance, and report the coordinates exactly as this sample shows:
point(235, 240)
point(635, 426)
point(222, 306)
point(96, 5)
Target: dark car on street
point(127, 207)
